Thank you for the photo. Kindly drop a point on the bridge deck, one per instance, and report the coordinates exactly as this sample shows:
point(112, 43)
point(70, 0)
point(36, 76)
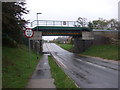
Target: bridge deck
point(61, 31)
point(59, 28)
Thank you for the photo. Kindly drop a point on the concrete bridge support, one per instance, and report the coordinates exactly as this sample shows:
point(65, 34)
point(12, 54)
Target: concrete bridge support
point(40, 46)
point(81, 45)
point(36, 45)
point(36, 42)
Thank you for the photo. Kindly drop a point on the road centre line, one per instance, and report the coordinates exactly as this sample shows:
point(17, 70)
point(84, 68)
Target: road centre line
point(91, 63)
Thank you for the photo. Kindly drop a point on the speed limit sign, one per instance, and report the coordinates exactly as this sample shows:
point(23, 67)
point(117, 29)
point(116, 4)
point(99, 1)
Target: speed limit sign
point(28, 33)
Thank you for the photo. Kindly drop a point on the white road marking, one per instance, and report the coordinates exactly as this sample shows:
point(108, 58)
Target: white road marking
point(91, 63)
point(60, 62)
point(45, 63)
point(76, 59)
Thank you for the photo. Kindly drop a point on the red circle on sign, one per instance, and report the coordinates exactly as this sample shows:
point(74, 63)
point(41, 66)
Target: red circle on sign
point(29, 33)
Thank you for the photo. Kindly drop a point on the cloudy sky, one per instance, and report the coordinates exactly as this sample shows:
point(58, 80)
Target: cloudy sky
point(72, 9)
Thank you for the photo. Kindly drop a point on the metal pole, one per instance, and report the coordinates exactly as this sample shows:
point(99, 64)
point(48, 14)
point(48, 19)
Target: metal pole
point(37, 21)
point(61, 23)
point(68, 23)
point(29, 53)
point(31, 24)
point(53, 23)
point(46, 23)
point(74, 24)
point(37, 30)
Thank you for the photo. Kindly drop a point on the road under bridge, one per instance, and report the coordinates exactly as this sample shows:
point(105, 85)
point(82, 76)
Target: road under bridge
point(61, 28)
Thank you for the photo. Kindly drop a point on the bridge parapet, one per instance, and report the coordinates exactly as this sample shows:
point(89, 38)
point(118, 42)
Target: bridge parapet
point(54, 23)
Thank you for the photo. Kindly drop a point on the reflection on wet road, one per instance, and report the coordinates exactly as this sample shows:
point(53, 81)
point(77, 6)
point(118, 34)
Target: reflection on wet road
point(86, 72)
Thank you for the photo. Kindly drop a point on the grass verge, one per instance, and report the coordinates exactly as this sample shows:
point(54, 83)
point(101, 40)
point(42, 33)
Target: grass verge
point(103, 51)
point(61, 79)
point(68, 47)
point(17, 67)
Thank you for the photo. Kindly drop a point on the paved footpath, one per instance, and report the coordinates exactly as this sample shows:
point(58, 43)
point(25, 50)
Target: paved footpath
point(41, 77)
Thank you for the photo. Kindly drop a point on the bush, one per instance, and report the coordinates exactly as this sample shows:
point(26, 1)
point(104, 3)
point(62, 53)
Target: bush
point(8, 41)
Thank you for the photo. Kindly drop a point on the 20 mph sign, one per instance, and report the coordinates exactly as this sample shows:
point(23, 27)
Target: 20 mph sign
point(28, 33)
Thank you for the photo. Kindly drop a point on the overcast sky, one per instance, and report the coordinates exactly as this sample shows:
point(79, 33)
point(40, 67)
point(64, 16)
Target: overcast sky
point(72, 9)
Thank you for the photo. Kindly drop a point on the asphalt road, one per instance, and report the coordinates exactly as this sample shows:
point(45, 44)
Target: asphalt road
point(86, 72)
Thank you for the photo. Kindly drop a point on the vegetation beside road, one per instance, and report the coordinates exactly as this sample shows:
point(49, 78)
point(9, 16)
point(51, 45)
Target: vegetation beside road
point(17, 67)
point(103, 51)
point(61, 79)
point(68, 47)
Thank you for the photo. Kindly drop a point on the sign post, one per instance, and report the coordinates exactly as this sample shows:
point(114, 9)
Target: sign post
point(29, 34)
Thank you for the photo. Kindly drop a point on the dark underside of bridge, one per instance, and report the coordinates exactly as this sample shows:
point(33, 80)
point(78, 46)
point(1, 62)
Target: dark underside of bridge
point(61, 31)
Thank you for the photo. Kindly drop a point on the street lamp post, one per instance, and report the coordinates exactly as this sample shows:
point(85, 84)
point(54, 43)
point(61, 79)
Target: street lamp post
point(37, 20)
point(37, 31)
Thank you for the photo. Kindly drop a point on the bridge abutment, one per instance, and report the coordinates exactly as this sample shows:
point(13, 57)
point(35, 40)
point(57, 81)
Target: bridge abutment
point(81, 45)
point(40, 46)
point(36, 42)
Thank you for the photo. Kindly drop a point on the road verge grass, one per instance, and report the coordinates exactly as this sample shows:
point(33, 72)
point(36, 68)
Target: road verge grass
point(61, 79)
point(68, 47)
point(17, 67)
point(103, 51)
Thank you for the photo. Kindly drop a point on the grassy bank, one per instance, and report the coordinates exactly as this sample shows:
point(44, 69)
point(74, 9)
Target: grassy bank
point(17, 67)
point(103, 51)
point(61, 79)
point(68, 47)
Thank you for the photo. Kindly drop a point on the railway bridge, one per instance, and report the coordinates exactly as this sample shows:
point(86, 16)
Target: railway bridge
point(82, 35)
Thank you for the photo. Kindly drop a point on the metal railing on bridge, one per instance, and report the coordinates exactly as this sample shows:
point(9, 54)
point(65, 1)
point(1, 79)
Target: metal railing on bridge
point(54, 23)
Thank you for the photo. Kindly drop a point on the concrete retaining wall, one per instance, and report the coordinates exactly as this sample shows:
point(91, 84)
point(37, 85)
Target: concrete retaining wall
point(105, 37)
point(100, 38)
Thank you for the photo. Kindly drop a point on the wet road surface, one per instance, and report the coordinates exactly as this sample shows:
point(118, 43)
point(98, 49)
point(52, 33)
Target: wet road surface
point(86, 72)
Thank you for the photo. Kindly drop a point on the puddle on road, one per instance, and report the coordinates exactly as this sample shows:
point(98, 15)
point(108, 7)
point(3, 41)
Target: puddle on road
point(40, 72)
point(46, 52)
point(81, 76)
point(45, 63)
point(56, 52)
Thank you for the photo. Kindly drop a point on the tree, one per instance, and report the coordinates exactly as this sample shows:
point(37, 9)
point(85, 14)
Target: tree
point(100, 24)
point(82, 22)
point(113, 24)
point(12, 22)
point(90, 25)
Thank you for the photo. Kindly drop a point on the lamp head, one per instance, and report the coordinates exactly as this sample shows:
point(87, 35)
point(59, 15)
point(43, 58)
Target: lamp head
point(39, 13)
